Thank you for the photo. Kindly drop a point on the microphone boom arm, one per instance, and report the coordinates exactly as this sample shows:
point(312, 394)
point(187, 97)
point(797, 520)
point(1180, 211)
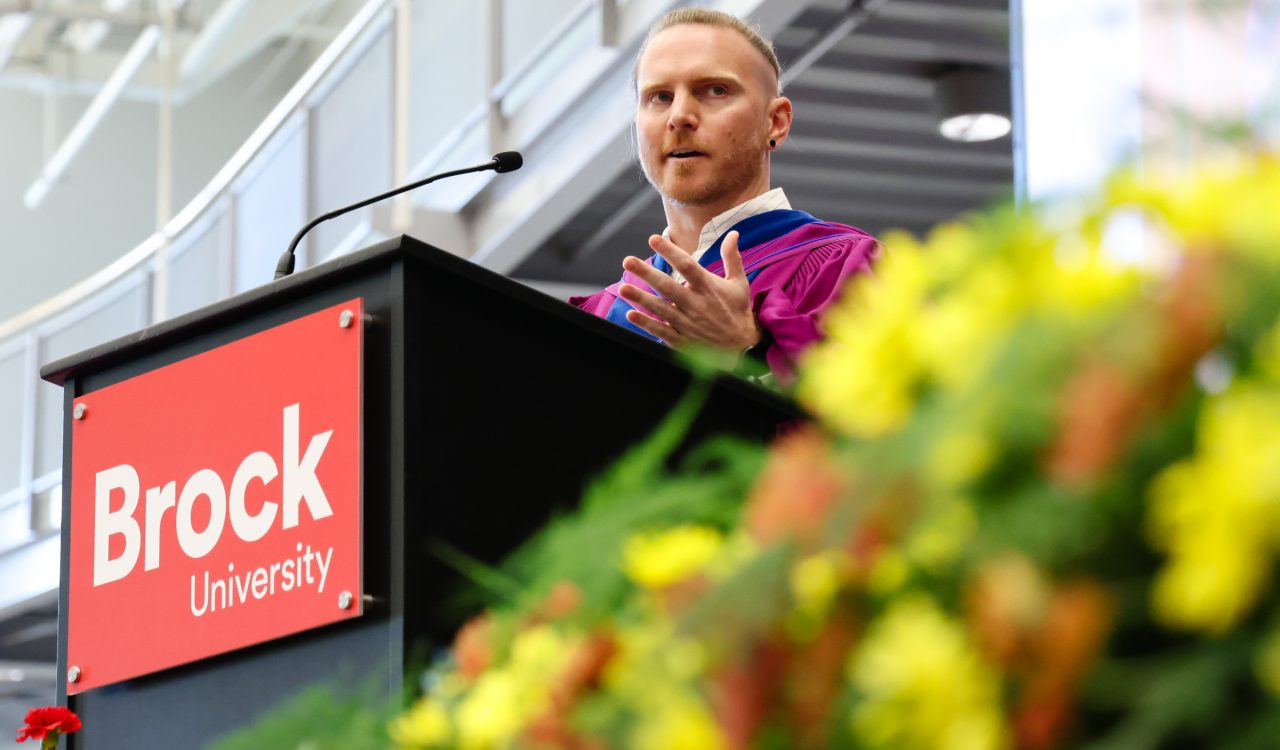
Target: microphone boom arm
point(506, 161)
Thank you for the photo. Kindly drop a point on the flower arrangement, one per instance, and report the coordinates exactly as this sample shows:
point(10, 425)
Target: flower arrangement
point(1041, 510)
point(48, 724)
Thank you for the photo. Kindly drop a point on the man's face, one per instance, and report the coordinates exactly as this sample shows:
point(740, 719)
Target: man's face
point(704, 116)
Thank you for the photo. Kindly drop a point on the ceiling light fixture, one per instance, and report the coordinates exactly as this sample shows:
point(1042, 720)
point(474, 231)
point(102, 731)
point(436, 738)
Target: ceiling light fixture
point(973, 104)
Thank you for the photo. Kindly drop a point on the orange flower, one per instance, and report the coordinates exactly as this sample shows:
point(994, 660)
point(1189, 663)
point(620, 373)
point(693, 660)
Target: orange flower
point(584, 669)
point(1102, 407)
point(1041, 720)
point(865, 543)
point(473, 646)
point(679, 597)
point(1048, 635)
point(1074, 631)
point(1098, 412)
point(582, 673)
point(1193, 320)
point(793, 495)
point(883, 523)
point(1075, 628)
point(1006, 602)
point(560, 602)
point(743, 690)
point(817, 674)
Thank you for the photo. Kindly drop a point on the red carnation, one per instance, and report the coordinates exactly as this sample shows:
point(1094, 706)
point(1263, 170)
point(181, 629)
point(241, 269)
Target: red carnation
point(47, 724)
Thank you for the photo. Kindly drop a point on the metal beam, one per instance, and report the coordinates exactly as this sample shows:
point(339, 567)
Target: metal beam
point(637, 203)
point(141, 16)
point(237, 31)
point(932, 155)
point(215, 32)
point(886, 181)
point(835, 114)
point(609, 23)
point(16, 26)
point(866, 213)
point(868, 82)
point(401, 120)
point(88, 122)
point(947, 14)
point(858, 13)
point(166, 55)
point(494, 72)
point(907, 49)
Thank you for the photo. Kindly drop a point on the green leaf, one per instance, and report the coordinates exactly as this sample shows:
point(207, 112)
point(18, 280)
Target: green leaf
point(319, 718)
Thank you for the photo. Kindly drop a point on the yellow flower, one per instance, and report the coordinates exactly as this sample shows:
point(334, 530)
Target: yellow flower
point(681, 722)
point(889, 571)
point(863, 385)
point(1194, 204)
point(1217, 514)
point(654, 676)
point(1085, 282)
point(1210, 584)
point(923, 684)
point(816, 579)
point(659, 559)
point(953, 248)
point(957, 334)
point(653, 655)
point(933, 316)
point(424, 725)
point(815, 582)
point(739, 548)
point(505, 699)
point(493, 713)
point(960, 457)
point(862, 378)
point(1252, 222)
point(940, 539)
point(1228, 201)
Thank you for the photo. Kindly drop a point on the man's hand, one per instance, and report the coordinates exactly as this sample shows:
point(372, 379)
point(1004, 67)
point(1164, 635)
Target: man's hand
point(706, 309)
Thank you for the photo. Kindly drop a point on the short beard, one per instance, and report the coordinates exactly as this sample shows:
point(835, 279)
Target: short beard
point(698, 195)
point(735, 180)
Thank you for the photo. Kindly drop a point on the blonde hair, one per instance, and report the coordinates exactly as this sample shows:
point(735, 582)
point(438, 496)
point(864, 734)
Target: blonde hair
point(709, 17)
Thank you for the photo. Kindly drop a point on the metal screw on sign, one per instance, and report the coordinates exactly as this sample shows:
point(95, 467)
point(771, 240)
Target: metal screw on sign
point(344, 600)
point(79, 411)
point(346, 318)
point(73, 674)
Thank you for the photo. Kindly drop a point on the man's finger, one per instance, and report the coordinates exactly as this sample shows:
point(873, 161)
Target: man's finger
point(677, 257)
point(732, 257)
point(661, 283)
point(655, 305)
point(669, 335)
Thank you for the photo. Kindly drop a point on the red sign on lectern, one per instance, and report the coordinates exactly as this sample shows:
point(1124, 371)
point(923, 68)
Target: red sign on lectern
point(215, 502)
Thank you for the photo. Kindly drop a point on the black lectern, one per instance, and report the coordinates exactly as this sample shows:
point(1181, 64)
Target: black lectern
point(485, 406)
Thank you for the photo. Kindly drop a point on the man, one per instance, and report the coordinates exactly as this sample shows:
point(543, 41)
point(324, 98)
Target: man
point(736, 268)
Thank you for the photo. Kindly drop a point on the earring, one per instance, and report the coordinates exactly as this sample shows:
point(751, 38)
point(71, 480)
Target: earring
point(773, 143)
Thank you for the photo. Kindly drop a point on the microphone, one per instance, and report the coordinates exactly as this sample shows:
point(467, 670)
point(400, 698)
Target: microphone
point(506, 161)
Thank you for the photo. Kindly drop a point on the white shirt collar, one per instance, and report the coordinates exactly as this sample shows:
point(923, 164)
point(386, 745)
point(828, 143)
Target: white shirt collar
point(771, 201)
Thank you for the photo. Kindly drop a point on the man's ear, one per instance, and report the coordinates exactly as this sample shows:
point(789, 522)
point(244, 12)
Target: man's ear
point(780, 116)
